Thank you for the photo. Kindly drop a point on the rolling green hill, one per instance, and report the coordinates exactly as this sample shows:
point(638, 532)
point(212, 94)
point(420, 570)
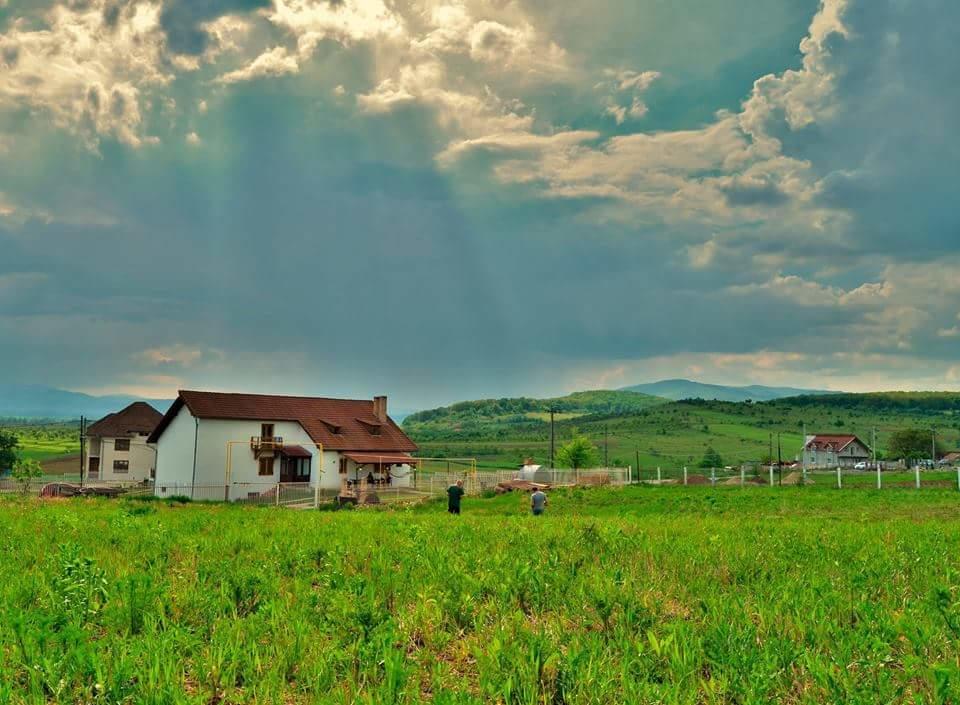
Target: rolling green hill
point(677, 389)
point(671, 434)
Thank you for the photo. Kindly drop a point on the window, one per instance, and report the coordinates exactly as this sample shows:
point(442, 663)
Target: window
point(121, 465)
point(266, 466)
point(266, 431)
point(122, 444)
point(343, 465)
point(374, 430)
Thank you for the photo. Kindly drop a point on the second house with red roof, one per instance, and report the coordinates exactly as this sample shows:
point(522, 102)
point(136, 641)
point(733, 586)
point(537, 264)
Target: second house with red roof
point(243, 443)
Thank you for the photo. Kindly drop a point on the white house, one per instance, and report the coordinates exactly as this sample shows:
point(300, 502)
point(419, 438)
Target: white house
point(214, 445)
point(116, 447)
point(832, 450)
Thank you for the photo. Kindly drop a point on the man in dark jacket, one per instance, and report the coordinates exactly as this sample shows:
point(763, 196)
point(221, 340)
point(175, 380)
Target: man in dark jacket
point(454, 493)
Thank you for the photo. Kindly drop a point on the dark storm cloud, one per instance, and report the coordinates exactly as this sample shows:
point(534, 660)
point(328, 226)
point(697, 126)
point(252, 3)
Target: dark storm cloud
point(181, 20)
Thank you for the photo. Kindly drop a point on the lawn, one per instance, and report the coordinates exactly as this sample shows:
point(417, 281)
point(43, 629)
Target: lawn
point(639, 595)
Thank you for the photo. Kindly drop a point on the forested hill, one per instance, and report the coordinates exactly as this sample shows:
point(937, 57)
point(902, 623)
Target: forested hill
point(914, 402)
point(516, 412)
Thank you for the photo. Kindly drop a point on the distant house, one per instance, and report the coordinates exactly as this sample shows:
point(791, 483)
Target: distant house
point(243, 442)
point(834, 450)
point(951, 458)
point(115, 447)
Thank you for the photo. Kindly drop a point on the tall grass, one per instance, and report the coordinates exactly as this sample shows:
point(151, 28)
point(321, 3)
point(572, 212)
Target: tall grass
point(666, 595)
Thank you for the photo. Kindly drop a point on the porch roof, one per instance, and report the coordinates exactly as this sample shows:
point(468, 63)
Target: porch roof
point(293, 451)
point(381, 458)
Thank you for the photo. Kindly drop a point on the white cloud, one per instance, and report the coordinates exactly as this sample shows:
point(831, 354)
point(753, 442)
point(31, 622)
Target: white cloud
point(193, 138)
point(271, 63)
point(179, 354)
point(312, 21)
point(91, 77)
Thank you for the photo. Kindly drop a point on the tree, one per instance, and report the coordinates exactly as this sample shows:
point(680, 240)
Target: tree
point(912, 444)
point(8, 450)
point(25, 471)
point(578, 453)
point(711, 459)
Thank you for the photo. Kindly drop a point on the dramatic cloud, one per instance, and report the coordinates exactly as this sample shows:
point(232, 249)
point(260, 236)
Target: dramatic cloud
point(455, 198)
point(88, 68)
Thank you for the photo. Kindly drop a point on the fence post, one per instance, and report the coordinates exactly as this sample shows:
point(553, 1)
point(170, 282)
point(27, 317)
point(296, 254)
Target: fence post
point(879, 481)
point(839, 479)
point(684, 474)
point(278, 494)
point(713, 476)
point(316, 496)
point(917, 473)
point(742, 476)
point(771, 474)
point(658, 474)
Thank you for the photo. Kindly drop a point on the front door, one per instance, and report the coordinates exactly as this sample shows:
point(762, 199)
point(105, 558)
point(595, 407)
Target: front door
point(289, 469)
point(94, 472)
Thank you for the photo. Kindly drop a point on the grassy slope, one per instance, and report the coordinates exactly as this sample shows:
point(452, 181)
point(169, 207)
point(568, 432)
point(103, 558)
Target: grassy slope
point(671, 595)
point(44, 441)
point(671, 434)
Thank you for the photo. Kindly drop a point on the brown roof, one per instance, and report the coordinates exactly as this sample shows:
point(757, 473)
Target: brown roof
point(832, 441)
point(381, 458)
point(293, 451)
point(354, 417)
point(139, 417)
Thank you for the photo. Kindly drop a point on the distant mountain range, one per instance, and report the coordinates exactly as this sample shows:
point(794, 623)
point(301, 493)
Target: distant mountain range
point(686, 389)
point(37, 401)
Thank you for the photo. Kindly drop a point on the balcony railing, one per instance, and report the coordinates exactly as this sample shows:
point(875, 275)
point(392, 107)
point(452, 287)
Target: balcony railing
point(265, 445)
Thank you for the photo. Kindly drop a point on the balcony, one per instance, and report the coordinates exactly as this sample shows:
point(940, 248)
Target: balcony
point(265, 446)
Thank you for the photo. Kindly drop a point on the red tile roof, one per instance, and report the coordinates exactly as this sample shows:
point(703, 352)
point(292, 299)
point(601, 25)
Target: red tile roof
point(381, 458)
point(316, 415)
point(832, 442)
point(139, 417)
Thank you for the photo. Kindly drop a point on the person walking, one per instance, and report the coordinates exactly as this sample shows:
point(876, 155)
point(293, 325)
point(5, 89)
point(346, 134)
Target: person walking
point(538, 502)
point(454, 493)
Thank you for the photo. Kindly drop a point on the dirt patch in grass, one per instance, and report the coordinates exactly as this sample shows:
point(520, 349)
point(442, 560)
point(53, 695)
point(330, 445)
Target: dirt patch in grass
point(64, 465)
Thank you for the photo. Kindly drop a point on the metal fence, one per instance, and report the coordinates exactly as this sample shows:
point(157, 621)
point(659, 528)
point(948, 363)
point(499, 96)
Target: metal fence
point(772, 475)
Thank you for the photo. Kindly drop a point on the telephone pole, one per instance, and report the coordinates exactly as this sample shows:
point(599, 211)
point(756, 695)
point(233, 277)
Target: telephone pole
point(551, 438)
point(82, 434)
point(779, 459)
point(933, 446)
point(606, 456)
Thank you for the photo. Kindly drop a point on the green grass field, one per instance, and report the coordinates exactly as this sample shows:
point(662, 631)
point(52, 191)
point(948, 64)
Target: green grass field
point(640, 595)
point(668, 434)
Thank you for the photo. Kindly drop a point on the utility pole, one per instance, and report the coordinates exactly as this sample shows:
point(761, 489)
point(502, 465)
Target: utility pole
point(551, 437)
point(638, 464)
point(779, 459)
point(82, 435)
point(803, 452)
point(606, 460)
point(933, 446)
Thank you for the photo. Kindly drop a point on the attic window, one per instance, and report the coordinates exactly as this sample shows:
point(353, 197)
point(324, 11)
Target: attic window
point(372, 426)
point(332, 427)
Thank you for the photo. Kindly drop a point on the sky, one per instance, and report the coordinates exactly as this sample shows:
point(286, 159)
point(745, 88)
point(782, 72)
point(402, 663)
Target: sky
point(452, 199)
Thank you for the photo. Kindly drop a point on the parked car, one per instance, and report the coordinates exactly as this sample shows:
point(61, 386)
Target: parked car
point(862, 465)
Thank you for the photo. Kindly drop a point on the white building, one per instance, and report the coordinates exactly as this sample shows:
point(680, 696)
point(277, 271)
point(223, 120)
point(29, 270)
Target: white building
point(214, 445)
point(832, 450)
point(116, 448)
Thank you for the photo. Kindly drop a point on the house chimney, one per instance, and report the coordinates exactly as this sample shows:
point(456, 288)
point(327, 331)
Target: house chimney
point(380, 408)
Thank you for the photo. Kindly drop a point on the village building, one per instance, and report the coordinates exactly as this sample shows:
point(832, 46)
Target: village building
point(116, 448)
point(243, 443)
point(834, 450)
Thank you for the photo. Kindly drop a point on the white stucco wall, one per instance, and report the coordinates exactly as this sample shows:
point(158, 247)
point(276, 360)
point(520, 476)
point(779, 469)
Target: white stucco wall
point(141, 458)
point(175, 455)
point(175, 459)
point(244, 469)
